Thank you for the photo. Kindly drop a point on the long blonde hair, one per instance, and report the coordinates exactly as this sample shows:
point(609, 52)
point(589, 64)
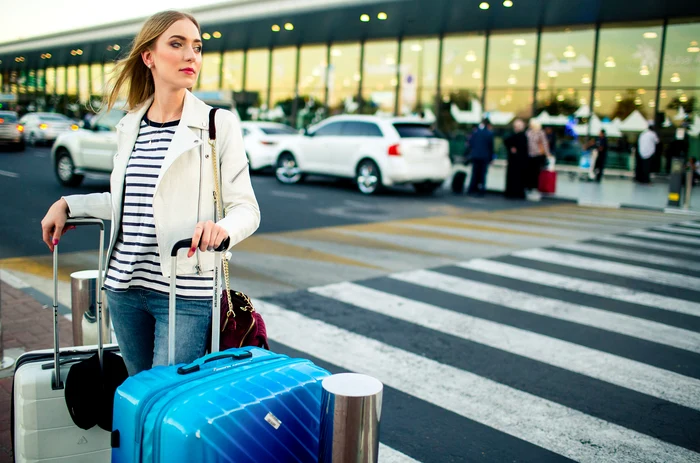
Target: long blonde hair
point(132, 71)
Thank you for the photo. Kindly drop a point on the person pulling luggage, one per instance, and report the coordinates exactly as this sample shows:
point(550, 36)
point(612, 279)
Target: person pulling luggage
point(161, 189)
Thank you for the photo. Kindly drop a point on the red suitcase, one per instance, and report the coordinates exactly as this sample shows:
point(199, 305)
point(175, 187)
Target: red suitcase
point(548, 181)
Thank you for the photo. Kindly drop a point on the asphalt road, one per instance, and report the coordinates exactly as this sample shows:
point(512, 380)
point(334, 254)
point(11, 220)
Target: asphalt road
point(28, 187)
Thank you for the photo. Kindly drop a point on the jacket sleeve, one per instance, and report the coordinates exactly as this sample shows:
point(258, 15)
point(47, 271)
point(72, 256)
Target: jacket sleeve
point(98, 205)
point(241, 211)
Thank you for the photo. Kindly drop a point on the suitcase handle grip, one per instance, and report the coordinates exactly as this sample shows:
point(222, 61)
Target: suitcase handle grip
point(182, 244)
point(196, 366)
point(85, 221)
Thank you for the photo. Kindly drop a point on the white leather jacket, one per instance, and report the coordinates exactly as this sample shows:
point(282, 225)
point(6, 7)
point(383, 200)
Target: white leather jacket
point(184, 188)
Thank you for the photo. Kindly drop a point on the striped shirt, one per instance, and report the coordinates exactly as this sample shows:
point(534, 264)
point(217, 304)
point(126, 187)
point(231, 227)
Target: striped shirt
point(135, 262)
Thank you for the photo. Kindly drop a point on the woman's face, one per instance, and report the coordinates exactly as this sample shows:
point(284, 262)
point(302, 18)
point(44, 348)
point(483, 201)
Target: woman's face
point(176, 57)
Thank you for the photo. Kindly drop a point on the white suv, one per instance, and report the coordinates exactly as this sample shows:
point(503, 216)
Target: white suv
point(375, 151)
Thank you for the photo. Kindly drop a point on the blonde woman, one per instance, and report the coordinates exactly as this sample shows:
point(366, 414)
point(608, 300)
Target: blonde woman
point(160, 192)
point(538, 149)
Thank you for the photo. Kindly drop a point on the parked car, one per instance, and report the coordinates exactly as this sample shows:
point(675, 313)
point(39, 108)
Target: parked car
point(87, 150)
point(11, 130)
point(262, 141)
point(46, 127)
point(374, 151)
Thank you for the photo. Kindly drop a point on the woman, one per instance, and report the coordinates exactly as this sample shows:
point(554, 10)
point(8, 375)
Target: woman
point(538, 149)
point(518, 157)
point(161, 191)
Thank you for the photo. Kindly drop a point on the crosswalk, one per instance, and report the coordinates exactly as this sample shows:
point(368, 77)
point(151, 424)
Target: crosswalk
point(583, 350)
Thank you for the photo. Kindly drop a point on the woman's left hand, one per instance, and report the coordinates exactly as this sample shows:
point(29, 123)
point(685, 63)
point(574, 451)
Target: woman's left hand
point(207, 236)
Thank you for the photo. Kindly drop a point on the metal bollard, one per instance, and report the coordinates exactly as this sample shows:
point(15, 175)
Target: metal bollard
point(351, 407)
point(688, 188)
point(83, 305)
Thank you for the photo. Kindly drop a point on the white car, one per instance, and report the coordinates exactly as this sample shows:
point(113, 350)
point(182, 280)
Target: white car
point(262, 141)
point(46, 127)
point(374, 151)
point(86, 150)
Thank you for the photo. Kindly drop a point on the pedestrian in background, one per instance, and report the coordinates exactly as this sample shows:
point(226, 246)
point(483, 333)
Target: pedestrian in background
point(538, 150)
point(647, 147)
point(518, 161)
point(481, 154)
point(161, 192)
point(601, 145)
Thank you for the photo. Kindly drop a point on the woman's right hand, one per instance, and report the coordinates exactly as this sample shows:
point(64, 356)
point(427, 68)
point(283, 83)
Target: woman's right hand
point(53, 225)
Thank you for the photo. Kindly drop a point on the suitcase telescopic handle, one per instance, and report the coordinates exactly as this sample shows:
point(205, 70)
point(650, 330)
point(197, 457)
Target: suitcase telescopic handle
point(76, 222)
point(185, 244)
point(197, 364)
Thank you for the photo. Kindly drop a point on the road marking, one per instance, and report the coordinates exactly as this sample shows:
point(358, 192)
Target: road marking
point(389, 455)
point(664, 237)
point(541, 422)
point(12, 280)
point(9, 174)
point(447, 223)
point(603, 250)
point(612, 268)
point(589, 316)
point(639, 242)
point(583, 286)
point(289, 194)
point(391, 228)
point(607, 367)
point(678, 230)
point(690, 224)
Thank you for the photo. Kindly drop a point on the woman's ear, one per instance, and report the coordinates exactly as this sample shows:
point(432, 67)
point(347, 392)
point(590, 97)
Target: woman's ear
point(147, 58)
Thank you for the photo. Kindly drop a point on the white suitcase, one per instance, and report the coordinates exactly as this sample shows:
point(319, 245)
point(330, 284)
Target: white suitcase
point(43, 429)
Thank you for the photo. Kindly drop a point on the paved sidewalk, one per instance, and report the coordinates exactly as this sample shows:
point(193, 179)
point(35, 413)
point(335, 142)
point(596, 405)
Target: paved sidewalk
point(27, 325)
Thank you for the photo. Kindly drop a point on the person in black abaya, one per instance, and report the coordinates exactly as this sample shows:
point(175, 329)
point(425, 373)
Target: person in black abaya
point(518, 159)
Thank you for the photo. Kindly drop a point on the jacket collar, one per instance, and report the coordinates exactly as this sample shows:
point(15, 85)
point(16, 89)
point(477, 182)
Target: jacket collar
point(195, 114)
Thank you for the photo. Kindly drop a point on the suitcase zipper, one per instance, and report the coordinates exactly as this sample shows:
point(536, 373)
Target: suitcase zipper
point(166, 407)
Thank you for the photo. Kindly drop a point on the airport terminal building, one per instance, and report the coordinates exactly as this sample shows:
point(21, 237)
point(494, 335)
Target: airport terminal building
point(592, 64)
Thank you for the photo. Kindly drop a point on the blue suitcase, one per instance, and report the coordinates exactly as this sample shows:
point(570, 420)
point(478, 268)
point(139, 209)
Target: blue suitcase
point(244, 405)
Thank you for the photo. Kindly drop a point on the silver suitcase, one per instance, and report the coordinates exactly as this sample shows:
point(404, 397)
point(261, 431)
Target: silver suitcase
point(43, 428)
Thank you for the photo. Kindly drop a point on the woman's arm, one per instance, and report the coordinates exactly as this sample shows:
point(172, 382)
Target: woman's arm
point(98, 205)
point(241, 211)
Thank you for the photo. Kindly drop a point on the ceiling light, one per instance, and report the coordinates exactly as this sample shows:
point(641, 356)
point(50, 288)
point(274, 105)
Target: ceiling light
point(79, 51)
point(641, 91)
point(336, 52)
point(569, 53)
point(416, 47)
point(663, 94)
point(512, 80)
point(693, 48)
point(650, 35)
point(116, 47)
point(364, 18)
point(288, 26)
point(652, 104)
point(610, 62)
point(216, 34)
point(476, 74)
point(638, 101)
point(508, 3)
point(72, 52)
point(644, 71)
point(275, 28)
point(206, 36)
point(683, 98)
point(618, 97)
point(484, 6)
point(560, 97)
point(586, 79)
point(675, 78)
point(382, 16)
point(514, 67)
point(471, 56)
point(553, 74)
point(520, 42)
point(582, 101)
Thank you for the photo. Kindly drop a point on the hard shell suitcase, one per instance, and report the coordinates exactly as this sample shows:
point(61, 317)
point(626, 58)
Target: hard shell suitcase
point(42, 427)
point(244, 405)
point(548, 181)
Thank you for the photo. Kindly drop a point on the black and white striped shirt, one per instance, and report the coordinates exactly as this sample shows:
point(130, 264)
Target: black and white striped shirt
point(135, 262)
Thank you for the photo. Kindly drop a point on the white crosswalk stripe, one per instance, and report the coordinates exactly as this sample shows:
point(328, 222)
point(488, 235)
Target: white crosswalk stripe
point(630, 255)
point(478, 342)
point(622, 372)
point(690, 224)
point(648, 244)
point(613, 268)
point(547, 424)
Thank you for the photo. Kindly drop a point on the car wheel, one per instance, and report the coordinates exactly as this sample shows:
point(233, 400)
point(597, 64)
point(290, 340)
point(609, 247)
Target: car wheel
point(20, 146)
point(368, 178)
point(287, 170)
point(65, 170)
point(426, 188)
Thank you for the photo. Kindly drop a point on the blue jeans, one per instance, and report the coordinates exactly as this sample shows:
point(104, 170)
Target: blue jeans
point(140, 319)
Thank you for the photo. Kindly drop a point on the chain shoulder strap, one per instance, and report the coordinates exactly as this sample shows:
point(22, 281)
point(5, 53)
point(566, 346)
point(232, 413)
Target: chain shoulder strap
point(217, 203)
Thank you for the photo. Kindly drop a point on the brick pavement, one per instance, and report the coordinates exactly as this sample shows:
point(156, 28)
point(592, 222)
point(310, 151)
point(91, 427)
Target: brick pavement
point(26, 325)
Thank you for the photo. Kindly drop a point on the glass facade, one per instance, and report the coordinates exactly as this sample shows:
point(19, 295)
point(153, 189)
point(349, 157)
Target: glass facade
point(576, 80)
